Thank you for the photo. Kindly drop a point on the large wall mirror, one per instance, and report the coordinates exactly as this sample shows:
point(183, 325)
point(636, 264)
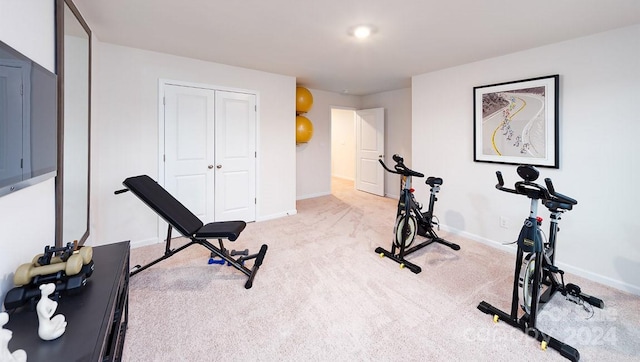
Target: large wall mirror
point(73, 66)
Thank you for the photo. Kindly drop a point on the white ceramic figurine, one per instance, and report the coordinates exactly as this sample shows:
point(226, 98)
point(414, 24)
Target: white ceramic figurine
point(49, 328)
point(18, 355)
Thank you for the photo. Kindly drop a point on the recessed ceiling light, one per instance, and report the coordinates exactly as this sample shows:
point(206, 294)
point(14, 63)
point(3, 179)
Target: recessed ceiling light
point(362, 31)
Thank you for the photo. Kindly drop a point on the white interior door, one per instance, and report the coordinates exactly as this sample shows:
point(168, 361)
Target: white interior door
point(235, 150)
point(188, 154)
point(369, 149)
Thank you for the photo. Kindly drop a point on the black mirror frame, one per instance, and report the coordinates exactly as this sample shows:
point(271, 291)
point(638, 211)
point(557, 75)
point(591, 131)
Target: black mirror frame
point(59, 182)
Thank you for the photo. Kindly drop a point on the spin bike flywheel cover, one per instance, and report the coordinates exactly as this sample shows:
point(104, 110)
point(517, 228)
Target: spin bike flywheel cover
point(526, 282)
point(411, 232)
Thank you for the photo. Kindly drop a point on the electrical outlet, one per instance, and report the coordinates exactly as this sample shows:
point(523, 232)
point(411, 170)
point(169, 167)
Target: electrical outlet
point(504, 222)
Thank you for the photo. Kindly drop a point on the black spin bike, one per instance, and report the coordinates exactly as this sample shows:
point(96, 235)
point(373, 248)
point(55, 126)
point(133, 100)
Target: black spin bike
point(536, 269)
point(410, 219)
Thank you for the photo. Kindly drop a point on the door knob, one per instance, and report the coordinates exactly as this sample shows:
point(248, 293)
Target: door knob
point(218, 166)
point(210, 167)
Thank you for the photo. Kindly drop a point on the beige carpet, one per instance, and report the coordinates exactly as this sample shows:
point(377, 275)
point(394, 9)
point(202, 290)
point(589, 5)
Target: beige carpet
point(322, 294)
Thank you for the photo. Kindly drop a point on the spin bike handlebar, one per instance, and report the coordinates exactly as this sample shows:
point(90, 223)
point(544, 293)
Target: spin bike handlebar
point(561, 198)
point(534, 191)
point(400, 168)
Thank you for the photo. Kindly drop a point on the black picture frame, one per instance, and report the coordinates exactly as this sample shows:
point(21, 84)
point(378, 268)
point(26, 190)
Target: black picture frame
point(517, 122)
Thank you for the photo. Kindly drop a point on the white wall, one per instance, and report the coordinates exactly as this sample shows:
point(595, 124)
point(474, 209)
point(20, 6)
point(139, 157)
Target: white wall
point(397, 129)
point(125, 125)
point(313, 159)
point(29, 27)
point(599, 162)
point(27, 216)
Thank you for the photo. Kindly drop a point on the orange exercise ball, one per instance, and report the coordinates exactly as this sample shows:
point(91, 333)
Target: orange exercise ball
point(304, 129)
point(304, 100)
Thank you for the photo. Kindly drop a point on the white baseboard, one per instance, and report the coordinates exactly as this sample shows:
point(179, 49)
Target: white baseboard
point(277, 216)
point(511, 248)
point(618, 284)
point(145, 242)
point(310, 196)
point(392, 196)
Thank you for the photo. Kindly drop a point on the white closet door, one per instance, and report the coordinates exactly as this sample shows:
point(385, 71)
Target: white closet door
point(188, 154)
point(235, 150)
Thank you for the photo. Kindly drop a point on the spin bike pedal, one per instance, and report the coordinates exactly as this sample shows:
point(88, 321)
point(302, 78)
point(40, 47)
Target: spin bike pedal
point(575, 295)
point(572, 289)
point(572, 293)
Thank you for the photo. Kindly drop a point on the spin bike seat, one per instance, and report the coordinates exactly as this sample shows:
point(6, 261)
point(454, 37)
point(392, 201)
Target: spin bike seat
point(433, 181)
point(555, 206)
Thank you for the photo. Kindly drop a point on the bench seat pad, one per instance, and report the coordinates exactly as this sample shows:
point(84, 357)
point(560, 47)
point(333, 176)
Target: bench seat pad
point(224, 229)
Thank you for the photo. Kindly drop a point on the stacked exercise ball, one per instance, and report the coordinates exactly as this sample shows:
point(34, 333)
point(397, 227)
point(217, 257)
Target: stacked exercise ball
point(304, 127)
point(304, 100)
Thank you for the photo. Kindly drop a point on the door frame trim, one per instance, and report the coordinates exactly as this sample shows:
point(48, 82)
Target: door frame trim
point(162, 83)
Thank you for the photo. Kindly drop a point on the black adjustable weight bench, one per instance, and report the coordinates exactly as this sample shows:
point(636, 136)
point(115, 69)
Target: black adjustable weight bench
point(188, 224)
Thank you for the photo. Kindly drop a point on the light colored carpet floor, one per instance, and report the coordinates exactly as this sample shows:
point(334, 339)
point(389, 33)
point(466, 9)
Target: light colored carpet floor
point(322, 294)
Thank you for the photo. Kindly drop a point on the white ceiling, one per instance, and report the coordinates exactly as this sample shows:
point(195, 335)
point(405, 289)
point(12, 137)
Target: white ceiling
point(309, 39)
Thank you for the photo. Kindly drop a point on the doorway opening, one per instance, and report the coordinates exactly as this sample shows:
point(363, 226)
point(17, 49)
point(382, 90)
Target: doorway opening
point(357, 143)
point(343, 148)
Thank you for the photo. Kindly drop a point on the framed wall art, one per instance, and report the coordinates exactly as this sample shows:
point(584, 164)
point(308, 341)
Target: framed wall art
point(517, 122)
